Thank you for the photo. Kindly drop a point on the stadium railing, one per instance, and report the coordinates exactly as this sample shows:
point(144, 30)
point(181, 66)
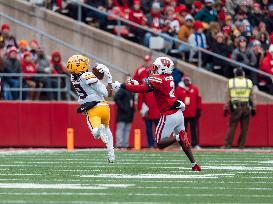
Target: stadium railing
point(199, 50)
point(23, 88)
point(43, 35)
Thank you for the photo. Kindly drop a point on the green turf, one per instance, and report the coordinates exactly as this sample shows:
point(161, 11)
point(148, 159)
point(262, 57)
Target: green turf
point(226, 178)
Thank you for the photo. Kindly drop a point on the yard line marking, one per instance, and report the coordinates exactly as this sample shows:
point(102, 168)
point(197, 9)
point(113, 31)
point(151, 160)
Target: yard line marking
point(82, 202)
point(155, 176)
point(17, 174)
point(252, 168)
point(62, 186)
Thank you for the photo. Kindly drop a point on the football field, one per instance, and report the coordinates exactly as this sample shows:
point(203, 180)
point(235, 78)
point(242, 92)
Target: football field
point(84, 176)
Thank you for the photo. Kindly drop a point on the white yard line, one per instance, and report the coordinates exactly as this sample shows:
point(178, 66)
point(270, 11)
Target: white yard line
point(156, 176)
point(62, 186)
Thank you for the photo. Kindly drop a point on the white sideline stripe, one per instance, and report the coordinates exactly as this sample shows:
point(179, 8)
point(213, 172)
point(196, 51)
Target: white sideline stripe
point(88, 202)
point(266, 162)
point(236, 168)
point(17, 174)
point(155, 176)
point(142, 194)
point(62, 186)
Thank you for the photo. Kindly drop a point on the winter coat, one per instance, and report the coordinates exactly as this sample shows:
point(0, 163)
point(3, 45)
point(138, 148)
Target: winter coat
point(206, 15)
point(41, 64)
point(57, 66)
point(267, 64)
point(192, 99)
point(247, 57)
point(28, 68)
point(125, 106)
point(221, 49)
point(12, 66)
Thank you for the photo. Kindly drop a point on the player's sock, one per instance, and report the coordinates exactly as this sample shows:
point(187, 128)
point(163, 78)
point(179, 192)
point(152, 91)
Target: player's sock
point(193, 164)
point(110, 146)
point(185, 144)
point(103, 134)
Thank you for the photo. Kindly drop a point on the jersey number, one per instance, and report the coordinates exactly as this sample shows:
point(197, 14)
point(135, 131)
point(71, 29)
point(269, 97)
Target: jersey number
point(82, 94)
point(172, 90)
point(166, 62)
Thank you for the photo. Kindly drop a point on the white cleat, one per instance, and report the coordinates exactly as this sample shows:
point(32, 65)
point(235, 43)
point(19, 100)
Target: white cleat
point(103, 135)
point(111, 157)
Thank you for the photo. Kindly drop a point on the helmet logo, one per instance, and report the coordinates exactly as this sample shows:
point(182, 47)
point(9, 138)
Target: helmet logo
point(166, 62)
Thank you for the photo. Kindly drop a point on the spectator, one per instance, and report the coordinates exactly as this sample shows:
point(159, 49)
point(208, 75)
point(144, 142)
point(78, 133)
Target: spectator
point(256, 15)
point(219, 47)
point(239, 103)
point(241, 54)
point(56, 63)
point(43, 67)
point(23, 47)
point(2, 69)
point(10, 40)
point(125, 114)
point(259, 54)
point(28, 67)
point(146, 102)
point(185, 31)
point(154, 21)
point(213, 29)
point(197, 39)
point(208, 14)
point(33, 45)
point(177, 74)
point(267, 66)
point(196, 7)
point(263, 37)
point(189, 94)
point(137, 16)
point(269, 19)
point(12, 65)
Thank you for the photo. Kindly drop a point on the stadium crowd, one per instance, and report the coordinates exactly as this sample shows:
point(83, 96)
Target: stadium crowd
point(29, 58)
point(238, 29)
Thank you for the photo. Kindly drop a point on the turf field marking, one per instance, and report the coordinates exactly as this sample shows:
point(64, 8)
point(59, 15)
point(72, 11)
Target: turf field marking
point(236, 168)
point(17, 174)
point(62, 186)
point(155, 176)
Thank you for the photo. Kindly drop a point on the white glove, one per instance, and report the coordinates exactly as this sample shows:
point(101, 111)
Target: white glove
point(103, 69)
point(116, 86)
point(182, 105)
point(132, 82)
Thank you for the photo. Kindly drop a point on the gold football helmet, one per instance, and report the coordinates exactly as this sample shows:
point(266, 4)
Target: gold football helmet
point(77, 64)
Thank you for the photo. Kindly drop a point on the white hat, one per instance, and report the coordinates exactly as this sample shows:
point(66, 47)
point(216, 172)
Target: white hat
point(256, 42)
point(210, 1)
point(188, 17)
point(271, 48)
point(156, 5)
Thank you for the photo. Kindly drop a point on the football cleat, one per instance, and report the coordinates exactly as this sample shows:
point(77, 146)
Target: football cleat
point(196, 167)
point(111, 157)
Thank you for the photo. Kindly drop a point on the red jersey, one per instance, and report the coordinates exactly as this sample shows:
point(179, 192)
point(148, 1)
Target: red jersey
point(164, 92)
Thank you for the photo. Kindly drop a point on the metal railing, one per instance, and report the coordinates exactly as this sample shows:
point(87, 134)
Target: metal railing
point(22, 86)
point(176, 40)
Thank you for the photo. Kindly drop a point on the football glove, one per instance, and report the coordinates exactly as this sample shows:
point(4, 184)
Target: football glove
point(116, 86)
point(132, 82)
point(103, 69)
point(179, 105)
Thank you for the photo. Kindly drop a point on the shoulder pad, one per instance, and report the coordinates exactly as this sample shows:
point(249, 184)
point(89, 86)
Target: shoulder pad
point(155, 79)
point(88, 75)
point(89, 78)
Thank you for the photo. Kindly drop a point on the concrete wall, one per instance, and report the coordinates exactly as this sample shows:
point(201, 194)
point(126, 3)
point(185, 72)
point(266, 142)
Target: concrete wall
point(120, 52)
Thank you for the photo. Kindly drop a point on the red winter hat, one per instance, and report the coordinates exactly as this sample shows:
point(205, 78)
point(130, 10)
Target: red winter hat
point(26, 54)
point(11, 50)
point(197, 25)
point(197, 4)
point(137, 2)
point(227, 29)
point(5, 26)
point(181, 8)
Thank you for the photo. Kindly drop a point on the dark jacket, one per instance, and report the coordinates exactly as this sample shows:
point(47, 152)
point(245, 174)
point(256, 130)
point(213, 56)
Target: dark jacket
point(207, 15)
point(12, 66)
point(125, 106)
point(220, 49)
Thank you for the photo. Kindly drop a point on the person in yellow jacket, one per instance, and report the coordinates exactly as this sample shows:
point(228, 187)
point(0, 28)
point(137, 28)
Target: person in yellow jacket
point(239, 104)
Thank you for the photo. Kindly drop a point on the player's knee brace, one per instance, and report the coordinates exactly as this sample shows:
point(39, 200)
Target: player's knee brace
point(183, 137)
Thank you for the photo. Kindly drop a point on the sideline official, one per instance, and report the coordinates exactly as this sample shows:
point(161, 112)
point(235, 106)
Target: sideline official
point(239, 104)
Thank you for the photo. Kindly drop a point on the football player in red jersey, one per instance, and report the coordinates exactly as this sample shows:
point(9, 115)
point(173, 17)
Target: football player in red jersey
point(172, 119)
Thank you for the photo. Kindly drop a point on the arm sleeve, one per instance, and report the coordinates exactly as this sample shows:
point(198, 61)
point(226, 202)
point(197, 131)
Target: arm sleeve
point(142, 88)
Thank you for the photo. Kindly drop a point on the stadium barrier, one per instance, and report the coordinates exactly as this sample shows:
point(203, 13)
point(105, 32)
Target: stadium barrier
point(44, 124)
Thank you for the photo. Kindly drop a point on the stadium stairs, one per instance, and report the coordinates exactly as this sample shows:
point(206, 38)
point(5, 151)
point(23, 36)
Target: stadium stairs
point(115, 50)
